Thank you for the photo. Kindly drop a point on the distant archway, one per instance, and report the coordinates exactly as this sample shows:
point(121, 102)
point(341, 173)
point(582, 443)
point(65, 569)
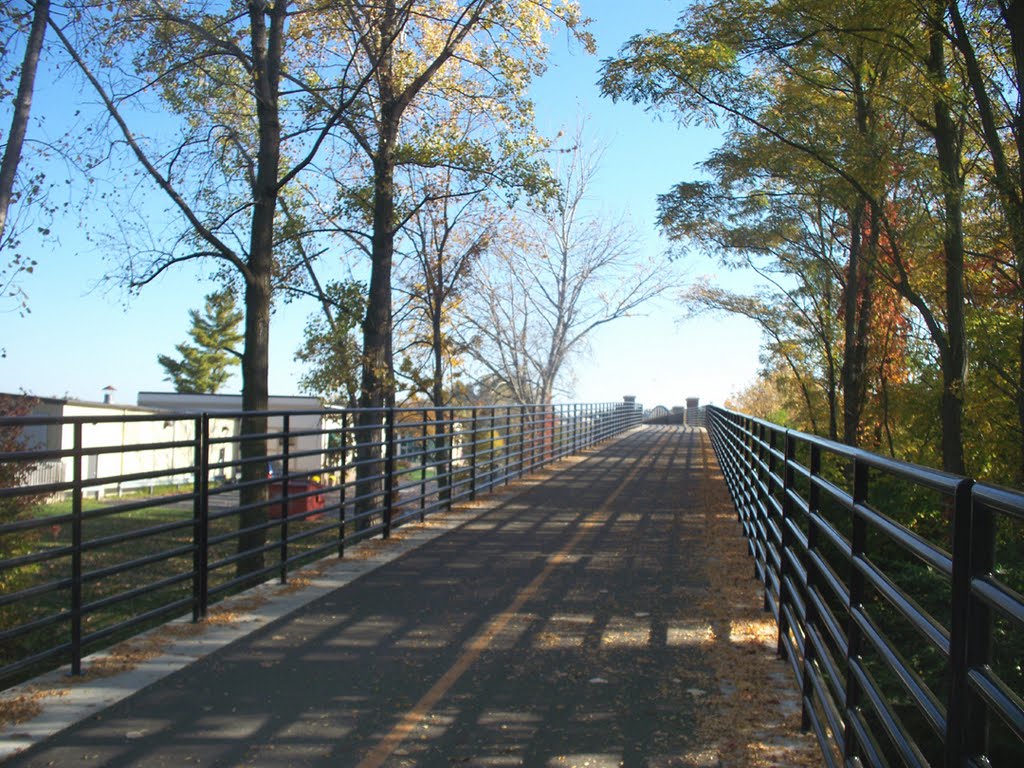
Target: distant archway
point(657, 412)
point(662, 415)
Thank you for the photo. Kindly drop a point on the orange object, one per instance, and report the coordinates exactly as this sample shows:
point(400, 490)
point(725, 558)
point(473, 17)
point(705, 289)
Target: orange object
point(300, 505)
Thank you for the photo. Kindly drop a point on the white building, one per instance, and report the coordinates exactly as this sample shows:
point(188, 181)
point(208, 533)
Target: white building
point(122, 446)
point(310, 426)
point(126, 447)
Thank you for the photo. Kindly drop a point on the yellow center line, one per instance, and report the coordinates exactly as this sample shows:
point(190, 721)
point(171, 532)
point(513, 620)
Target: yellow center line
point(483, 639)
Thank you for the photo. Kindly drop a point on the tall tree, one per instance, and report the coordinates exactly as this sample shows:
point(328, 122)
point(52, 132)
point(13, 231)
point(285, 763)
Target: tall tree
point(790, 72)
point(230, 77)
point(421, 60)
point(480, 53)
point(205, 364)
point(565, 272)
point(988, 37)
point(768, 210)
point(770, 70)
point(445, 238)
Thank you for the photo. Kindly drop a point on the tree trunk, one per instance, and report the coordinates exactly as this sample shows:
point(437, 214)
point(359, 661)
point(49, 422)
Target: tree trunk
point(852, 372)
point(255, 401)
point(22, 108)
point(442, 453)
point(376, 379)
point(833, 403)
point(267, 53)
point(953, 349)
point(437, 350)
point(1009, 181)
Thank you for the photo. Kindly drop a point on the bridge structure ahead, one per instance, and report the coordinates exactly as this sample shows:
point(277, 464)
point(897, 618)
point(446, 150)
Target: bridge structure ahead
point(592, 614)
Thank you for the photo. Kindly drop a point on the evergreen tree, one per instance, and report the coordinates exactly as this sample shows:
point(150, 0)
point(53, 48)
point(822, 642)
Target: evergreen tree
point(205, 364)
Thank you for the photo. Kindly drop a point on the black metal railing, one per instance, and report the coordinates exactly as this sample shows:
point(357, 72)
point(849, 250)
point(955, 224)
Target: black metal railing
point(897, 592)
point(143, 519)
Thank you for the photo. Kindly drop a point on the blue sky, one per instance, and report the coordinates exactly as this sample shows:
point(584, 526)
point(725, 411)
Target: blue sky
point(82, 335)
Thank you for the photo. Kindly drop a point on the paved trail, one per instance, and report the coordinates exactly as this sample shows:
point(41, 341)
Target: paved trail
point(561, 627)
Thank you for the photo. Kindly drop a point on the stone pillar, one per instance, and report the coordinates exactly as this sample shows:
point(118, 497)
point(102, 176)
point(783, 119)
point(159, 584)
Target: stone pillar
point(692, 413)
point(629, 405)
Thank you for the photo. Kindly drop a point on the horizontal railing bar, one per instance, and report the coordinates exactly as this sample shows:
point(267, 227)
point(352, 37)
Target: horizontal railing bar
point(1007, 704)
point(168, 609)
point(131, 594)
point(911, 682)
point(1000, 597)
point(780, 481)
point(35, 625)
point(917, 617)
point(130, 565)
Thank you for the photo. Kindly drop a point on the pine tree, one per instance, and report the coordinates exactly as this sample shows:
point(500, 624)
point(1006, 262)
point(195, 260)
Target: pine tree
point(205, 364)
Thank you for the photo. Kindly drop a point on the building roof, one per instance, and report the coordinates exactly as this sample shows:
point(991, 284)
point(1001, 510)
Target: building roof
point(76, 402)
point(185, 401)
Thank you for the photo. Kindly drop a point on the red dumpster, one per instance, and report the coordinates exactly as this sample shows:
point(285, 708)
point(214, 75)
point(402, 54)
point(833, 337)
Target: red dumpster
point(302, 504)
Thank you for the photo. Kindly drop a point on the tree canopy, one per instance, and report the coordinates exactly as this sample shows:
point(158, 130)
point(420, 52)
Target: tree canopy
point(864, 182)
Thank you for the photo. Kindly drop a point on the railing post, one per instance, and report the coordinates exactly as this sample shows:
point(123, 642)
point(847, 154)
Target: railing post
point(575, 429)
point(449, 457)
point(772, 487)
point(285, 496)
point(814, 509)
point(767, 449)
point(548, 427)
point(522, 439)
point(200, 517)
point(532, 435)
point(854, 639)
point(545, 438)
point(492, 459)
point(551, 419)
point(537, 437)
point(757, 495)
point(472, 455)
point(344, 483)
point(204, 550)
point(423, 467)
point(785, 570)
point(970, 625)
point(389, 469)
point(508, 440)
point(76, 552)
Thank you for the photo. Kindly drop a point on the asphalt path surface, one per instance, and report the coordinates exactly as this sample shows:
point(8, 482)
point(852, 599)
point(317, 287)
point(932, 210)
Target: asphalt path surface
point(560, 628)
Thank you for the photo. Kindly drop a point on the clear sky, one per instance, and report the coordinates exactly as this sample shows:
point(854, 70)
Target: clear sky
point(82, 336)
